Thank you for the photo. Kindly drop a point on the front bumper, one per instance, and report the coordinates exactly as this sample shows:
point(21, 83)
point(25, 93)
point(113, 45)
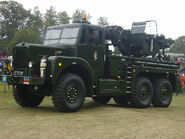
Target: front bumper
point(23, 80)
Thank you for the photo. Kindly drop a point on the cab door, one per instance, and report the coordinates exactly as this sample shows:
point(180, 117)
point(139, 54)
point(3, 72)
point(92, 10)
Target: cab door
point(91, 48)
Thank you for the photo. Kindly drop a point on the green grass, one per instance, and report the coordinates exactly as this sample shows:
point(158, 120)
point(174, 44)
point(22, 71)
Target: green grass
point(92, 121)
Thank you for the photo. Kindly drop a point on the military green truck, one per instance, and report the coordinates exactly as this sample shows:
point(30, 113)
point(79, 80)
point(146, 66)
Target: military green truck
point(76, 61)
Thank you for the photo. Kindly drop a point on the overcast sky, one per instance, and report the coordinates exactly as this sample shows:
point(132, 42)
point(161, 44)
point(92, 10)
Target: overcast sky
point(169, 14)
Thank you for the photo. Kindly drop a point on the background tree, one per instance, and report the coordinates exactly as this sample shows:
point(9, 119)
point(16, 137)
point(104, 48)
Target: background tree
point(12, 17)
point(26, 35)
point(63, 18)
point(78, 15)
point(179, 45)
point(103, 21)
point(3, 44)
point(35, 20)
point(50, 18)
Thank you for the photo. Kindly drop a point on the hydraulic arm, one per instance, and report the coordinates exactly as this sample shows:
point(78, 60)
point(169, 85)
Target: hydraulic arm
point(136, 43)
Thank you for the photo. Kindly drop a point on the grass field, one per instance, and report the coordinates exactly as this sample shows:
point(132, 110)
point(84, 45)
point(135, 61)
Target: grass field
point(92, 121)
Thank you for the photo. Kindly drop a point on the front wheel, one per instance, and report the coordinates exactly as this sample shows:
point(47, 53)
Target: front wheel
point(143, 93)
point(24, 98)
point(162, 93)
point(69, 93)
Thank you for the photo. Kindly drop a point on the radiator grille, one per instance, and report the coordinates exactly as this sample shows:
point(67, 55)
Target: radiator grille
point(20, 57)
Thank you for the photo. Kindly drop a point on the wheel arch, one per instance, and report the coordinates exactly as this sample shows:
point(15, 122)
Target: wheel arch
point(59, 65)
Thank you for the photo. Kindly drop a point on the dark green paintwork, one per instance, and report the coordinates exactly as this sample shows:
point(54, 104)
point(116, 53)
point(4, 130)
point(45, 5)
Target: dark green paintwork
point(116, 78)
point(55, 70)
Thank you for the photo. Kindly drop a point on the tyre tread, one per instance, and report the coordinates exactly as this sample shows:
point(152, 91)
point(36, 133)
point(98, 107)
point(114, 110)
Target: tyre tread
point(58, 97)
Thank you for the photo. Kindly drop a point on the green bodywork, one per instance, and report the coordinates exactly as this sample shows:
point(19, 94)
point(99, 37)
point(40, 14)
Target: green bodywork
point(102, 72)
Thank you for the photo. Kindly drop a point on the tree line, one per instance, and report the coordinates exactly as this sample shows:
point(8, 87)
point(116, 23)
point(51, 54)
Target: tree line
point(20, 25)
point(178, 46)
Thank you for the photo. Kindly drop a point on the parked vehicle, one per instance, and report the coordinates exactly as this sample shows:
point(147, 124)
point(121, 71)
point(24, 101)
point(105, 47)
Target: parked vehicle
point(75, 62)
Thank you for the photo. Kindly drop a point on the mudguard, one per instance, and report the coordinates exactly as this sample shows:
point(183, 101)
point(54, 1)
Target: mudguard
point(58, 64)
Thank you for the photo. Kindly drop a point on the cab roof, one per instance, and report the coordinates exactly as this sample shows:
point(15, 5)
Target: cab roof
point(75, 25)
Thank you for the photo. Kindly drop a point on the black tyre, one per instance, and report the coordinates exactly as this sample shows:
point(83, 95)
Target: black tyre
point(101, 99)
point(69, 93)
point(162, 93)
point(122, 100)
point(24, 99)
point(143, 93)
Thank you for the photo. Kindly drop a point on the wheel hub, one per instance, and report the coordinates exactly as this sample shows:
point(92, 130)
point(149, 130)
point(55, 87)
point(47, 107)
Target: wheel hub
point(144, 92)
point(71, 93)
point(164, 93)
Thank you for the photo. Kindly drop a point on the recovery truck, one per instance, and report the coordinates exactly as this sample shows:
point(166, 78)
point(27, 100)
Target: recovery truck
point(76, 61)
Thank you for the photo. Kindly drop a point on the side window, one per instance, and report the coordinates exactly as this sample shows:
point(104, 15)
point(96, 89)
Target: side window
point(91, 37)
point(83, 36)
point(95, 36)
point(100, 37)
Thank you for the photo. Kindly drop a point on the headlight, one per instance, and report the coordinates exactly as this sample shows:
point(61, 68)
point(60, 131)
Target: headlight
point(30, 64)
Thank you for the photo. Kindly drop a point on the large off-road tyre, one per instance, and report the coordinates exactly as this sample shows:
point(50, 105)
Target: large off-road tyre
point(24, 99)
point(143, 93)
point(69, 93)
point(101, 99)
point(122, 100)
point(162, 93)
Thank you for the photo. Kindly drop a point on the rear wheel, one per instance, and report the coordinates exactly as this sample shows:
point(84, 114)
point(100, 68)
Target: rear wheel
point(24, 99)
point(143, 93)
point(69, 93)
point(102, 99)
point(162, 93)
point(122, 100)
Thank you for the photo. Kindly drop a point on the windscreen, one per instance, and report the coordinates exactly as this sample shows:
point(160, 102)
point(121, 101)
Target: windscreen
point(52, 37)
point(67, 37)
